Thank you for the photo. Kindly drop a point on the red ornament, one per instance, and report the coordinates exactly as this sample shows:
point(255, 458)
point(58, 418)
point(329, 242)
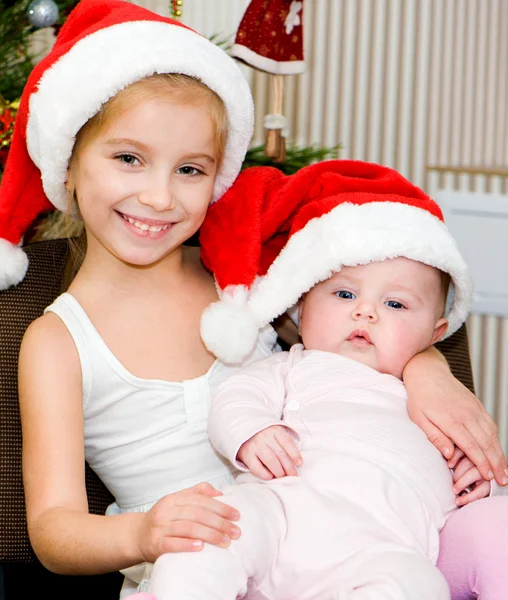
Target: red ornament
point(270, 36)
point(7, 118)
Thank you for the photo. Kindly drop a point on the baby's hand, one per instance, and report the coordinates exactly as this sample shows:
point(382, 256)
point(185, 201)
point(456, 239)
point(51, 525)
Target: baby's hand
point(469, 484)
point(271, 453)
point(183, 521)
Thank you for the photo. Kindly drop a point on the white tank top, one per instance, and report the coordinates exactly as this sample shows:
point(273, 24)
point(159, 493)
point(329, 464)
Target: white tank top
point(145, 438)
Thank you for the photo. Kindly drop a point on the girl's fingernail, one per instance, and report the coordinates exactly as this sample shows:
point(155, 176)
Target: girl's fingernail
point(235, 532)
point(197, 543)
point(490, 475)
point(447, 452)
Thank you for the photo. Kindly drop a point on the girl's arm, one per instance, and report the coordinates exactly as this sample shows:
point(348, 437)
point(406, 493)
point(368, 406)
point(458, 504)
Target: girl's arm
point(450, 414)
point(65, 537)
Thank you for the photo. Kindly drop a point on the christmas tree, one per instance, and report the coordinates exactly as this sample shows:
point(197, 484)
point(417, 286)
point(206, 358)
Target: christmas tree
point(18, 21)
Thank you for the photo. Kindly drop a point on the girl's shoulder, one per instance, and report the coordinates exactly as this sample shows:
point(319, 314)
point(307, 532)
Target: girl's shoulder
point(46, 327)
point(47, 339)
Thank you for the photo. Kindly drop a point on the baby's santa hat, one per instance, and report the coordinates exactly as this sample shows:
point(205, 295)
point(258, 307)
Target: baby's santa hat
point(272, 237)
point(104, 46)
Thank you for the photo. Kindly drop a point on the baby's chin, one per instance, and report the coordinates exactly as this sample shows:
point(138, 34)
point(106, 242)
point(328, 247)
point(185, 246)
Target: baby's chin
point(362, 353)
point(368, 357)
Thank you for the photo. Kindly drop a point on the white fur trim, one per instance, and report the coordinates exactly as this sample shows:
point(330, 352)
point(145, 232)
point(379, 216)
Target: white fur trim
point(71, 92)
point(13, 264)
point(289, 67)
point(228, 329)
point(350, 235)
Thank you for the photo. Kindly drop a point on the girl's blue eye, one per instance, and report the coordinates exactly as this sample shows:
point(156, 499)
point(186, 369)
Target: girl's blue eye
point(345, 295)
point(394, 304)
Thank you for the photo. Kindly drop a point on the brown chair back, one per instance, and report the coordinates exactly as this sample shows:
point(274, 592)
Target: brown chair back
point(19, 306)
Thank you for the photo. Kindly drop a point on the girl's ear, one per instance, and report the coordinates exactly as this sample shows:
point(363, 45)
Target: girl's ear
point(68, 180)
point(439, 330)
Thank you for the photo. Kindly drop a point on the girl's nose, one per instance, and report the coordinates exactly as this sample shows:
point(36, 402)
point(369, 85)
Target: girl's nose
point(158, 195)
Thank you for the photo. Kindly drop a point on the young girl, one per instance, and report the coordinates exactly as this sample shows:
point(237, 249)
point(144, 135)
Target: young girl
point(115, 372)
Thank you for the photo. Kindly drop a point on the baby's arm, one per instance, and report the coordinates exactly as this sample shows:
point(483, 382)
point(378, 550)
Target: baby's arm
point(450, 414)
point(245, 423)
point(65, 537)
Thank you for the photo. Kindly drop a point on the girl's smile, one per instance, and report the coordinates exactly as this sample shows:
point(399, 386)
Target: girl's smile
point(147, 228)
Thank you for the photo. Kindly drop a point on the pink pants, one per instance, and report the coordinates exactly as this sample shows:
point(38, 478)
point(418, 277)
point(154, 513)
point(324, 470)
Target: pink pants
point(474, 550)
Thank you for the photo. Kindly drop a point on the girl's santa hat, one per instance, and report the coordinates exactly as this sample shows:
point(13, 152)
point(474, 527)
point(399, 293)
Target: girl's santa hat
point(104, 46)
point(272, 237)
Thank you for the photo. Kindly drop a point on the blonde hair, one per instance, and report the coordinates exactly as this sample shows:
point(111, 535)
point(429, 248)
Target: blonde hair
point(181, 89)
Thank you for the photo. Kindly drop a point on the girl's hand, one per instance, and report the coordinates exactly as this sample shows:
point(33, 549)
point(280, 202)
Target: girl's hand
point(449, 414)
point(469, 485)
point(271, 453)
point(183, 521)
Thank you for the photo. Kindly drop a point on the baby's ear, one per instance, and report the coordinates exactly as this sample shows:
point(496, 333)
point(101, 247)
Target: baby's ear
point(439, 329)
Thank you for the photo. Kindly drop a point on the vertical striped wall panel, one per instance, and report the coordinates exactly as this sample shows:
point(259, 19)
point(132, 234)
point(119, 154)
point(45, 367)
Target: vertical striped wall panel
point(407, 83)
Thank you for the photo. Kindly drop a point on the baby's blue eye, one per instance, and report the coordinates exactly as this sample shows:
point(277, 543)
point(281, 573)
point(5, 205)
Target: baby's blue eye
point(345, 295)
point(394, 304)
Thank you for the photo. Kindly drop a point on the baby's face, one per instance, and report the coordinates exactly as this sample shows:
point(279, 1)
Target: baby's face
point(380, 314)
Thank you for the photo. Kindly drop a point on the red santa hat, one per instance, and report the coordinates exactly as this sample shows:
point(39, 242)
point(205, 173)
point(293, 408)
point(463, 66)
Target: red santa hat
point(104, 46)
point(270, 36)
point(272, 237)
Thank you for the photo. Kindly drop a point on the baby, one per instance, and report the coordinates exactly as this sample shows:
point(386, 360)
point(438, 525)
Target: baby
point(343, 496)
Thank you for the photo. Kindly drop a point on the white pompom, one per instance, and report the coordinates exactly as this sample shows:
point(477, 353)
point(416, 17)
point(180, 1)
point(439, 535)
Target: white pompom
point(229, 330)
point(13, 264)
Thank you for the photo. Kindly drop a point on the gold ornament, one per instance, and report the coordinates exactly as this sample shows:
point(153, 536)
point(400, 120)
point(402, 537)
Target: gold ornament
point(175, 8)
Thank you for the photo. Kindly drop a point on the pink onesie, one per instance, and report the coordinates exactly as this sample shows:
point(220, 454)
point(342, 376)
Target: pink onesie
point(362, 519)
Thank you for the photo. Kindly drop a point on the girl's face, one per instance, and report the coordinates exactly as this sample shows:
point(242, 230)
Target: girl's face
point(144, 183)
